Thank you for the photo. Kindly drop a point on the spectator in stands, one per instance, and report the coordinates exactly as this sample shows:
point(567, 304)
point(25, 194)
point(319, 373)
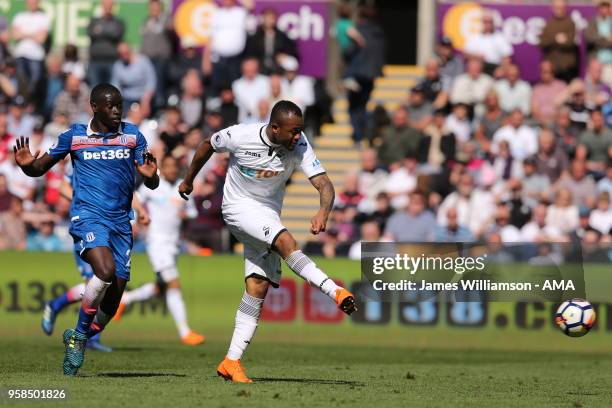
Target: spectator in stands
point(402, 181)
point(19, 184)
point(350, 195)
point(598, 37)
point(597, 140)
point(537, 230)
point(4, 39)
point(269, 44)
point(489, 45)
point(73, 100)
point(249, 89)
point(299, 89)
point(563, 214)
point(156, 32)
point(59, 123)
point(369, 232)
point(597, 92)
point(557, 42)
point(452, 231)
point(565, 131)
point(346, 33)
point(474, 206)
point(551, 160)
point(501, 225)
point(536, 186)
point(520, 212)
point(371, 177)
point(148, 127)
point(189, 58)
point(9, 83)
point(13, 227)
point(262, 112)
point(398, 140)
point(54, 83)
point(418, 108)
point(451, 64)
point(434, 86)
point(580, 184)
point(134, 75)
point(105, 34)
point(605, 184)
point(276, 89)
point(192, 101)
point(472, 87)
point(513, 91)
point(545, 93)
point(44, 239)
point(6, 138)
point(30, 30)
point(228, 109)
point(459, 124)
point(172, 130)
point(522, 139)
point(576, 102)
point(72, 64)
point(228, 37)
point(504, 164)
point(601, 217)
point(5, 195)
point(438, 144)
point(415, 224)
point(491, 120)
point(365, 66)
point(20, 123)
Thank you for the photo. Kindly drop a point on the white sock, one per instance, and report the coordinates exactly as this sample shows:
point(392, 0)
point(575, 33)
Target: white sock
point(93, 294)
point(174, 301)
point(247, 317)
point(306, 269)
point(144, 292)
point(75, 293)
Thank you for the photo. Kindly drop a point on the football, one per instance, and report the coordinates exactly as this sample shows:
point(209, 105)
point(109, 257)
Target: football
point(575, 317)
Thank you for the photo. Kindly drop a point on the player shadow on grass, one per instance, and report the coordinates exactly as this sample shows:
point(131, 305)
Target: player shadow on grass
point(309, 381)
point(138, 375)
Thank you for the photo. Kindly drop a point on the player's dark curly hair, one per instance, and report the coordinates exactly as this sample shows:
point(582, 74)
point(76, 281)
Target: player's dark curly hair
point(284, 108)
point(100, 90)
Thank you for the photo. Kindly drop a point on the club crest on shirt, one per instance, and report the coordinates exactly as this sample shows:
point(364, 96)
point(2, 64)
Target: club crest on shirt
point(266, 231)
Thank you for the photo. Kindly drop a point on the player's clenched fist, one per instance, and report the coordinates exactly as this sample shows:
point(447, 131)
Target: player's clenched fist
point(185, 188)
point(149, 167)
point(318, 223)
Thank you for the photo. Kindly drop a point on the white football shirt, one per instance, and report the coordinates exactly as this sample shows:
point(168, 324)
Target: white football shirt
point(165, 209)
point(258, 169)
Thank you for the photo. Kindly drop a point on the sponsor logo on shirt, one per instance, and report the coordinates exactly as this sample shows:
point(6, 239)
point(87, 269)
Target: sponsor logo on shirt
point(258, 173)
point(316, 163)
point(107, 155)
point(253, 154)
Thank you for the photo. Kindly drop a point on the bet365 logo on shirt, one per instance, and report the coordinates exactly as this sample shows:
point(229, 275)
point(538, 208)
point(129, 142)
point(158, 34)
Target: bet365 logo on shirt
point(107, 154)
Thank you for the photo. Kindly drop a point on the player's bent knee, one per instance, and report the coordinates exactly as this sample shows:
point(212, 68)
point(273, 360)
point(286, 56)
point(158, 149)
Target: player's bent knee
point(174, 284)
point(285, 244)
point(257, 286)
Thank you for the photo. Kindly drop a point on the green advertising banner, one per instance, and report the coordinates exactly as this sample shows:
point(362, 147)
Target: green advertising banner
point(69, 18)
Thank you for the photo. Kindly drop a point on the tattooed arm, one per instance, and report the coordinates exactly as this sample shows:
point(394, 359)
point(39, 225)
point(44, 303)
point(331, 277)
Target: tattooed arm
point(327, 194)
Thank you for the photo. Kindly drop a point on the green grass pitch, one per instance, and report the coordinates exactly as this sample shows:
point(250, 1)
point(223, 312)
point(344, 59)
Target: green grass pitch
point(294, 364)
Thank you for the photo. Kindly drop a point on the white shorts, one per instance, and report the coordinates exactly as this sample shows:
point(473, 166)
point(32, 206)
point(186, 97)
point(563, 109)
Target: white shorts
point(162, 255)
point(257, 228)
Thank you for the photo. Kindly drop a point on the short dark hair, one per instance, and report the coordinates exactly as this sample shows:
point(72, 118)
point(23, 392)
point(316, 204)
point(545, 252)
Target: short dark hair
point(101, 90)
point(283, 108)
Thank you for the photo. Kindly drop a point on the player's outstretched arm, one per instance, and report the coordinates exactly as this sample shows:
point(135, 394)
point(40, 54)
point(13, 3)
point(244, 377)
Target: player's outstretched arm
point(327, 195)
point(148, 170)
point(32, 165)
point(202, 154)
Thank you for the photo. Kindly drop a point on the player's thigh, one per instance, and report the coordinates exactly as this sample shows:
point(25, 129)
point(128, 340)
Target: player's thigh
point(92, 241)
point(257, 223)
point(285, 244)
point(84, 268)
point(121, 246)
point(101, 261)
point(162, 256)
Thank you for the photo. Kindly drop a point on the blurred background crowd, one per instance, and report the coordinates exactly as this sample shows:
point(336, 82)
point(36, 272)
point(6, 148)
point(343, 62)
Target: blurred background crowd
point(475, 152)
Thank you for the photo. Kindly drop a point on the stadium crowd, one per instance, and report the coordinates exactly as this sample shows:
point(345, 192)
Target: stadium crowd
point(474, 153)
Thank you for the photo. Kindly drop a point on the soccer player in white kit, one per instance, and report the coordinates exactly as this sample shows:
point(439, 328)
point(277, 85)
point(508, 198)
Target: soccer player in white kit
point(166, 211)
point(262, 158)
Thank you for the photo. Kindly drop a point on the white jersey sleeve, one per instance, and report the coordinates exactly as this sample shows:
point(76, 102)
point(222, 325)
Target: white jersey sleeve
point(311, 166)
point(222, 140)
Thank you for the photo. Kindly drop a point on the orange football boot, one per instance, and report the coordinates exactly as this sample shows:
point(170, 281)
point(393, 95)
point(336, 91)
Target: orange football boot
point(232, 370)
point(193, 339)
point(345, 301)
point(119, 312)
